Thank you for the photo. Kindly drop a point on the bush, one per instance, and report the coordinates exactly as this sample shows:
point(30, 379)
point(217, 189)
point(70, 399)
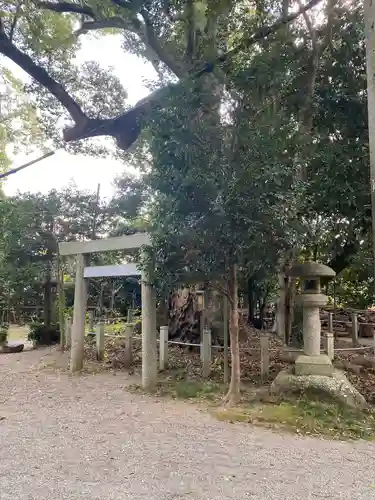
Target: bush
point(4, 328)
point(41, 334)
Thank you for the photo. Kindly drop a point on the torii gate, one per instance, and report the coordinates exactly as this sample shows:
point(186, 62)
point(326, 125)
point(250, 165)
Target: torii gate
point(81, 250)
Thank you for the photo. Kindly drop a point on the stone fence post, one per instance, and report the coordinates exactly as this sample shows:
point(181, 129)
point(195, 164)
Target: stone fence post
point(206, 352)
point(100, 341)
point(68, 333)
point(330, 322)
point(329, 345)
point(264, 357)
point(163, 348)
point(91, 320)
point(355, 329)
point(128, 345)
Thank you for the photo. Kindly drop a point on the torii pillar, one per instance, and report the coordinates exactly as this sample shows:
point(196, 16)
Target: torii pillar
point(81, 250)
point(79, 316)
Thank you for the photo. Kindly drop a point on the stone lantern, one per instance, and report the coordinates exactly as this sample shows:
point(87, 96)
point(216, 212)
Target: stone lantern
point(312, 362)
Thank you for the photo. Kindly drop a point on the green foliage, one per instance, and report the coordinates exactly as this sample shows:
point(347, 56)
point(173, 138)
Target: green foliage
point(305, 416)
point(4, 330)
point(41, 334)
point(32, 224)
point(229, 174)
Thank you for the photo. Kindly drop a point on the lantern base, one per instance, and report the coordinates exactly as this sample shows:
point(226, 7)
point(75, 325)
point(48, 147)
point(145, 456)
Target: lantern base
point(333, 389)
point(313, 365)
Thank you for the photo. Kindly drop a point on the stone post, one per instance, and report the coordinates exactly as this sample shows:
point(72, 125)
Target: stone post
point(149, 351)
point(129, 315)
point(100, 341)
point(79, 313)
point(68, 333)
point(206, 352)
point(163, 348)
point(91, 321)
point(329, 345)
point(330, 322)
point(355, 329)
point(128, 345)
point(264, 357)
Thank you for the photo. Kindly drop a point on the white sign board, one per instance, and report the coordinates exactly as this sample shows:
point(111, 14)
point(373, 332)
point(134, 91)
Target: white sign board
point(112, 271)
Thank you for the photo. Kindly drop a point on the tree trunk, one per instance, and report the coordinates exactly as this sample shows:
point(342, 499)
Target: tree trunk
point(233, 394)
point(280, 309)
point(183, 317)
point(61, 300)
point(290, 293)
point(251, 299)
point(369, 14)
point(47, 301)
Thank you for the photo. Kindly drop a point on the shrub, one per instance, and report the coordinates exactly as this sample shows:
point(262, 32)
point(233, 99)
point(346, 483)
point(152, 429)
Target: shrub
point(4, 328)
point(41, 334)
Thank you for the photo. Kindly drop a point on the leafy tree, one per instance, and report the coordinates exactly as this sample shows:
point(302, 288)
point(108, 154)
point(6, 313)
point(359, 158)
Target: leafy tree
point(31, 226)
point(181, 40)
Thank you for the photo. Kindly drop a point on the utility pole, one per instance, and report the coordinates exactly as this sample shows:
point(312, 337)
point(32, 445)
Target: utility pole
point(369, 13)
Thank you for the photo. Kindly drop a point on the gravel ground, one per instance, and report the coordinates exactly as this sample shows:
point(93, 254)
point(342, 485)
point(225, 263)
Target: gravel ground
point(66, 438)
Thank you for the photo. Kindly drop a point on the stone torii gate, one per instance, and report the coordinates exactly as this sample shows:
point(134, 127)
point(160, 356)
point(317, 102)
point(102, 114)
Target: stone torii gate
point(148, 296)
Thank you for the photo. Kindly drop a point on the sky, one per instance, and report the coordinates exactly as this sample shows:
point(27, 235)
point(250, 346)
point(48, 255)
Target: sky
point(86, 172)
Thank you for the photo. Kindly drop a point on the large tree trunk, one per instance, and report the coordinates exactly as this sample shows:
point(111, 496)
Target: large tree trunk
point(233, 394)
point(183, 316)
point(369, 13)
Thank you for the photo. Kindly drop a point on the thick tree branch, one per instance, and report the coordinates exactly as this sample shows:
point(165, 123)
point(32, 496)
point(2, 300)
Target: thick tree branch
point(343, 259)
point(190, 31)
point(285, 10)
point(112, 22)
point(312, 71)
point(15, 20)
point(41, 76)
point(66, 7)
point(152, 41)
point(126, 127)
point(125, 4)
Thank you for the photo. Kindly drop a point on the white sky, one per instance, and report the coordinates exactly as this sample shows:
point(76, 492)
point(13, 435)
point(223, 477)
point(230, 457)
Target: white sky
point(58, 170)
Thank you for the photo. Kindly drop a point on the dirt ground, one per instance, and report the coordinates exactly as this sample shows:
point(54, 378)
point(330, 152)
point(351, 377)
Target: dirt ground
point(87, 437)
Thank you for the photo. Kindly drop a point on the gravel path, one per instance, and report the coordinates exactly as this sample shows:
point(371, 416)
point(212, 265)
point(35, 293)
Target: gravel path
point(66, 438)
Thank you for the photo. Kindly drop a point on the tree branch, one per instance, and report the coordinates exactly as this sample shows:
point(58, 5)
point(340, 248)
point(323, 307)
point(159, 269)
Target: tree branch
point(15, 20)
point(126, 127)
point(112, 22)
point(307, 112)
point(41, 76)
point(256, 37)
point(67, 7)
point(152, 41)
point(125, 4)
point(25, 165)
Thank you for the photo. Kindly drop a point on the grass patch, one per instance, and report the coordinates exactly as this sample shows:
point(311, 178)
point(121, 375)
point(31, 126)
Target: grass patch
point(305, 417)
point(16, 333)
point(186, 389)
